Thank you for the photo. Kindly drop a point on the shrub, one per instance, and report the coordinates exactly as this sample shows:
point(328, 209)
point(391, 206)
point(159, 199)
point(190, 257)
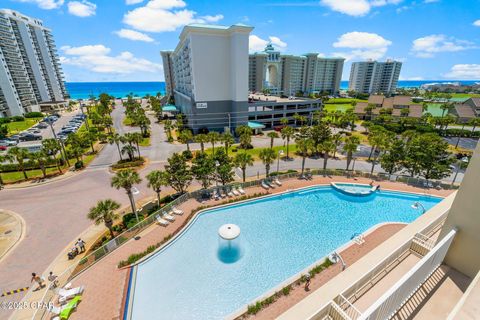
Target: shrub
point(255, 308)
point(33, 115)
point(170, 139)
point(123, 164)
point(4, 120)
point(82, 261)
point(187, 154)
point(79, 165)
point(286, 290)
point(17, 119)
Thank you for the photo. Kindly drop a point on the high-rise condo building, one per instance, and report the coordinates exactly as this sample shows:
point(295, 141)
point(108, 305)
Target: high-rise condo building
point(207, 73)
point(30, 71)
point(374, 77)
point(293, 75)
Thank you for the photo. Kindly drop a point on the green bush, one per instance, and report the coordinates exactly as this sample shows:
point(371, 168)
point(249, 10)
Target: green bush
point(33, 115)
point(286, 290)
point(128, 164)
point(79, 165)
point(17, 119)
point(187, 154)
point(4, 120)
point(254, 309)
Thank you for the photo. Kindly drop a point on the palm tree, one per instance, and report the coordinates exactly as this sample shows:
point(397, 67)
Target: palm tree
point(303, 145)
point(3, 158)
point(104, 212)
point(287, 134)
point(129, 150)
point(326, 147)
point(350, 146)
point(272, 135)
point(242, 160)
point(213, 138)
point(19, 155)
point(202, 139)
point(52, 147)
point(267, 156)
point(227, 139)
point(474, 123)
point(168, 126)
point(117, 139)
point(40, 159)
point(157, 179)
point(185, 137)
point(336, 139)
point(137, 137)
point(126, 179)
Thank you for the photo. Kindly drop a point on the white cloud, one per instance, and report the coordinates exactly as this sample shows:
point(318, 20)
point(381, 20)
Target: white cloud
point(427, 47)
point(363, 45)
point(129, 2)
point(133, 35)
point(476, 23)
point(82, 8)
point(164, 15)
point(464, 72)
point(356, 8)
point(411, 78)
point(45, 4)
point(97, 58)
point(255, 43)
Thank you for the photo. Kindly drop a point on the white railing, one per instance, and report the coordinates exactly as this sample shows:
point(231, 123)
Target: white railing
point(352, 312)
point(395, 297)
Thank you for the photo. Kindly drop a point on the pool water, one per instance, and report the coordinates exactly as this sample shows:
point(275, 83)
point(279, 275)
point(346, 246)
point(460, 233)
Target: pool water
point(195, 278)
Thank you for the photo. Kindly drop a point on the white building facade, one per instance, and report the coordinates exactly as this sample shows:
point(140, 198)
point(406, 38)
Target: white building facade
point(30, 71)
point(374, 77)
point(209, 76)
point(294, 75)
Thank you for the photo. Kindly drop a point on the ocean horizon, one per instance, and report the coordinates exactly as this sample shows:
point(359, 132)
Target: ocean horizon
point(84, 90)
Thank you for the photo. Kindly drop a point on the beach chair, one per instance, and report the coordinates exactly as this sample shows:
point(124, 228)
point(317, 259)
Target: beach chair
point(235, 192)
point(65, 295)
point(270, 184)
point(240, 189)
point(176, 211)
point(265, 186)
point(215, 194)
point(161, 221)
point(277, 182)
point(230, 193)
point(168, 217)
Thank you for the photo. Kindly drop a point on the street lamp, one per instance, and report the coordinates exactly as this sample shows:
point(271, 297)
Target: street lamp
point(63, 152)
point(217, 164)
point(459, 165)
point(135, 192)
point(280, 153)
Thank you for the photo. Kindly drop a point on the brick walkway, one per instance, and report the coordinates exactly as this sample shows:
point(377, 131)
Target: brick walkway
point(105, 283)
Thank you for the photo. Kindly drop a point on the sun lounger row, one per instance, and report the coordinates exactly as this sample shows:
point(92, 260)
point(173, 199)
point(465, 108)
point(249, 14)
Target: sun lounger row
point(223, 193)
point(165, 218)
point(270, 184)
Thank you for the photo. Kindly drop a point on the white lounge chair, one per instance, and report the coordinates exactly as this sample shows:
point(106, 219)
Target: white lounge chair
point(265, 186)
point(277, 182)
point(222, 193)
point(64, 294)
point(216, 196)
point(168, 217)
point(271, 185)
point(176, 211)
point(161, 221)
point(240, 189)
point(230, 193)
point(235, 192)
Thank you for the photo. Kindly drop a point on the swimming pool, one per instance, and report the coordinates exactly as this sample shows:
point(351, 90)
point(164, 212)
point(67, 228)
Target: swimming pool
point(280, 236)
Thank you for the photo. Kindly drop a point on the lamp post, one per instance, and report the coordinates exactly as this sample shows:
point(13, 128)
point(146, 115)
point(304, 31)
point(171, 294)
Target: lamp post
point(217, 164)
point(63, 152)
point(280, 153)
point(135, 192)
point(459, 165)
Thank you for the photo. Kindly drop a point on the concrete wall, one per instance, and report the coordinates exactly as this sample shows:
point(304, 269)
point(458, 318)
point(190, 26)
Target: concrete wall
point(464, 253)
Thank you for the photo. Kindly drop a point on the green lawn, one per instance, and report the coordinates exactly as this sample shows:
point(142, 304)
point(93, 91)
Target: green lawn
point(145, 142)
point(465, 95)
point(337, 107)
point(17, 176)
point(16, 127)
point(344, 100)
point(256, 151)
point(434, 109)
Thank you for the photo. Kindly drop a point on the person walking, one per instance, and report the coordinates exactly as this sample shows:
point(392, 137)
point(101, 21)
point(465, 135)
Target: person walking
point(53, 280)
point(81, 245)
point(38, 280)
point(307, 282)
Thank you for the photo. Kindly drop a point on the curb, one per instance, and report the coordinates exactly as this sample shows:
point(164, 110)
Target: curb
point(23, 231)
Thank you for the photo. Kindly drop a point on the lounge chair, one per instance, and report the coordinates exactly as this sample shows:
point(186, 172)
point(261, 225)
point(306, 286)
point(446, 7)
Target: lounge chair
point(168, 217)
point(177, 211)
point(271, 185)
point(265, 186)
point(277, 182)
point(230, 193)
point(68, 294)
point(216, 196)
point(240, 189)
point(235, 192)
point(65, 311)
point(222, 193)
point(161, 221)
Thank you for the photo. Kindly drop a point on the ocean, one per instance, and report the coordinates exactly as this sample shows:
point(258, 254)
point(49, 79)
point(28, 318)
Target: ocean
point(83, 90)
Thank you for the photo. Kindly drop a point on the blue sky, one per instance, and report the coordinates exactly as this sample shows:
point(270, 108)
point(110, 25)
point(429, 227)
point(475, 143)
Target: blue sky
point(120, 40)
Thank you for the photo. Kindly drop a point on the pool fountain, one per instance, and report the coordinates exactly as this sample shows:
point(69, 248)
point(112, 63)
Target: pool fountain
point(229, 250)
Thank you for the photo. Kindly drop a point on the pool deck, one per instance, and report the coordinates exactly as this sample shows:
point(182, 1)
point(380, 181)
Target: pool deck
point(105, 284)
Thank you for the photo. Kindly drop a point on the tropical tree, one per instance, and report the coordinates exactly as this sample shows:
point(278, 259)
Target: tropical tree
point(213, 137)
point(202, 139)
point(129, 150)
point(126, 179)
point(185, 137)
point(287, 134)
point(242, 160)
point(168, 126)
point(446, 107)
point(272, 135)
point(384, 141)
point(267, 156)
point(3, 158)
point(349, 147)
point(116, 139)
point(318, 134)
point(227, 139)
point(104, 212)
point(137, 138)
point(392, 159)
point(40, 159)
point(245, 136)
point(90, 137)
point(223, 167)
point(156, 180)
point(52, 147)
point(326, 148)
point(474, 123)
point(19, 155)
point(203, 169)
point(179, 175)
point(337, 140)
point(303, 145)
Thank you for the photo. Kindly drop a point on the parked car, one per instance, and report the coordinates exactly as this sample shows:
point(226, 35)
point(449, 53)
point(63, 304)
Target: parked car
point(8, 143)
point(67, 131)
point(30, 137)
point(3, 148)
point(33, 130)
point(42, 125)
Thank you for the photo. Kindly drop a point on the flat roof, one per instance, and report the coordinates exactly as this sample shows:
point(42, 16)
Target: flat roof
point(269, 98)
